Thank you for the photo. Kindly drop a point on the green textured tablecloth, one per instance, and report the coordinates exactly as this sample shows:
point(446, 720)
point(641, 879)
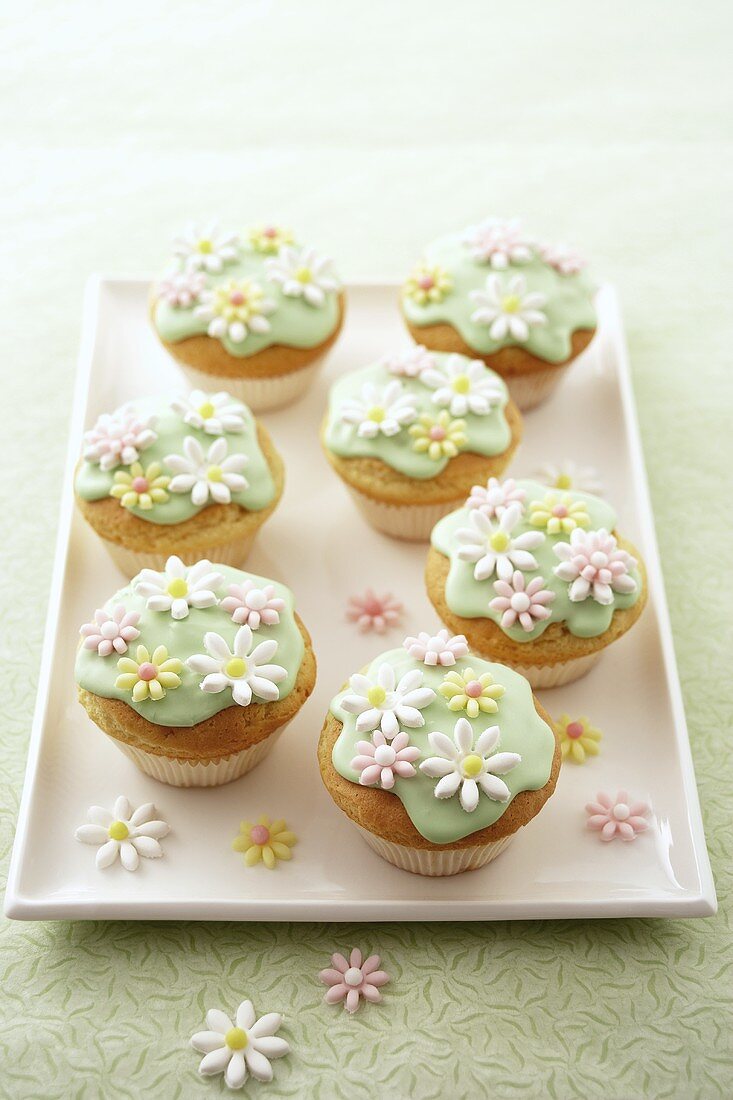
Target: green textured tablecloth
point(372, 128)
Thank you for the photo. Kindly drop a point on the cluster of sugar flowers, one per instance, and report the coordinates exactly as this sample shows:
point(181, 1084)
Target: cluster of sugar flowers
point(594, 565)
point(469, 766)
point(117, 439)
point(302, 273)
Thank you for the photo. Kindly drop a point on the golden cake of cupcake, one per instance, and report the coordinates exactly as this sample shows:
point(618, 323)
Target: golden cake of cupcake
point(194, 672)
point(195, 476)
point(252, 314)
point(438, 756)
point(535, 577)
point(411, 433)
point(492, 292)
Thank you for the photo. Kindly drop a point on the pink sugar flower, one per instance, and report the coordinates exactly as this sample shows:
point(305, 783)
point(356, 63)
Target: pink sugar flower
point(496, 496)
point(111, 630)
point(617, 816)
point(564, 258)
point(352, 980)
point(519, 599)
point(379, 762)
point(372, 612)
point(252, 606)
point(118, 438)
point(593, 565)
point(441, 649)
point(182, 289)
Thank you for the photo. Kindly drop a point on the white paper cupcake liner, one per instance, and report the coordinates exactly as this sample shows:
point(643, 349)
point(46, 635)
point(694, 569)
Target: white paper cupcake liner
point(132, 561)
point(548, 676)
point(260, 394)
point(412, 522)
point(182, 773)
point(531, 389)
point(424, 861)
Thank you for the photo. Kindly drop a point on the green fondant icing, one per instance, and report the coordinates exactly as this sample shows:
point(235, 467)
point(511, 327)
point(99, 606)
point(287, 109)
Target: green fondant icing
point(93, 483)
point(470, 598)
point(443, 821)
point(487, 435)
point(569, 303)
point(188, 704)
point(293, 322)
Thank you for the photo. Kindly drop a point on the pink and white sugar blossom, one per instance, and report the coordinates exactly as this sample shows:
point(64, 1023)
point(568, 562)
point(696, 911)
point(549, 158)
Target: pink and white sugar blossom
point(353, 979)
point(593, 565)
point(181, 289)
point(564, 258)
point(441, 649)
point(519, 599)
point(246, 603)
point(493, 546)
point(379, 762)
point(509, 309)
point(463, 386)
point(498, 242)
point(617, 817)
point(215, 474)
point(111, 630)
point(118, 438)
point(386, 703)
point(373, 612)
point(410, 363)
point(380, 411)
point(496, 496)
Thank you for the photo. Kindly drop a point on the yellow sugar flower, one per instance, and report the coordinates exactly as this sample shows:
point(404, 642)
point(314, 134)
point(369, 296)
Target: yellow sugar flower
point(578, 738)
point(148, 677)
point(438, 436)
point(427, 283)
point(139, 488)
point(474, 694)
point(268, 238)
point(265, 840)
point(559, 513)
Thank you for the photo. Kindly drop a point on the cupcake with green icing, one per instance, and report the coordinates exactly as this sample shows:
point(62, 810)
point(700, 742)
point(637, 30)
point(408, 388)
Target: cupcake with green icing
point(251, 313)
point(535, 577)
point(195, 476)
point(493, 292)
point(438, 756)
point(409, 435)
point(194, 672)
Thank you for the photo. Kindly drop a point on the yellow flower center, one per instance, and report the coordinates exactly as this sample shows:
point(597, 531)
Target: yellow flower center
point(205, 246)
point(177, 588)
point(376, 696)
point(377, 414)
point(499, 541)
point(236, 1038)
point(214, 473)
point(564, 481)
point(235, 667)
point(461, 383)
point(472, 766)
point(511, 303)
point(206, 410)
point(118, 831)
point(303, 275)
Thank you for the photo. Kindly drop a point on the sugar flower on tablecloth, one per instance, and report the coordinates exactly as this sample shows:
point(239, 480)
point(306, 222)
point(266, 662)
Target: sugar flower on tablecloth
point(373, 612)
point(268, 238)
point(117, 439)
point(124, 832)
point(214, 474)
point(519, 599)
point(493, 547)
point(302, 273)
point(438, 436)
point(253, 606)
point(476, 695)
point(558, 513)
point(111, 631)
point(508, 308)
point(239, 1048)
point(593, 565)
point(353, 979)
point(178, 587)
point(385, 703)
point(441, 649)
point(206, 249)
point(496, 496)
point(235, 309)
point(380, 411)
point(578, 738)
point(410, 363)
point(617, 817)
point(149, 677)
point(213, 413)
point(181, 289)
point(564, 258)
point(568, 475)
point(245, 673)
point(463, 386)
point(141, 488)
point(498, 242)
point(471, 767)
point(379, 762)
point(427, 283)
point(264, 841)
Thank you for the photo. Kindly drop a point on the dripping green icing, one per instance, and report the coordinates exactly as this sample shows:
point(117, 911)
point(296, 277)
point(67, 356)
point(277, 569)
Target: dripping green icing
point(569, 304)
point(487, 435)
point(93, 483)
point(188, 704)
point(293, 323)
point(470, 598)
point(443, 821)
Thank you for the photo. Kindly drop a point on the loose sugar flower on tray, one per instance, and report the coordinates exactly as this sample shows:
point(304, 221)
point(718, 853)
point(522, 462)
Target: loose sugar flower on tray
point(264, 841)
point(353, 979)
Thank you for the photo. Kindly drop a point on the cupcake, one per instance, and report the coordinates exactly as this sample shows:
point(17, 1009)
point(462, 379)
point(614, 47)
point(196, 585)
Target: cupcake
point(491, 292)
point(410, 434)
point(251, 315)
point(438, 756)
point(195, 672)
point(196, 477)
point(536, 578)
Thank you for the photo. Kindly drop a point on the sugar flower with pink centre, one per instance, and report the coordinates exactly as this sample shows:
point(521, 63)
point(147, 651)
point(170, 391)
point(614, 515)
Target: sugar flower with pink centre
point(239, 1047)
point(476, 694)
point(268, 237)
point(563, 257)
point(509, 309)
point(379, 762)
point(178, 588)
point(496, 496)
point(385, 702)
point(181, 289)
point(206, 249)
point(463, 386)
point(470, 767)
point(213, 413)
point(438, 436)
point(215, 474)
point(441, 649)
point(380, 411)
point(410, 363)
point(141, 488)
point(353, 979)
point(427, 284)
point(117, 439)
point(111, 631)
point(498, 242)
point(569, 475)
point(264, 841)
point(578, 738)
point(248, 604)
point(558, 513)
point(244, 671)
point(492, 545)
point(149, 677)
point(373, 612)
point(594, 565)
point(522, 600)
point(123, 833)
point(235, 309)
point(302, 273)
point(617, 817)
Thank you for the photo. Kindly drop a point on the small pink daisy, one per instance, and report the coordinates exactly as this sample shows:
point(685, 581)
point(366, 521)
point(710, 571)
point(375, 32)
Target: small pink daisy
point(352, 980)
point(380, 762)
point(372, 612)
point(111, 630)
point(518, 599)
point(617, 816)
point(253, 606)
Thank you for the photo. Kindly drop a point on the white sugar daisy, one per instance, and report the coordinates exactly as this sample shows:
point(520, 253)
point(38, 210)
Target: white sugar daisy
point(492, 545)
point(178, 588)
point(463, 386)
point(213, 413)
point(380, 411)
point(245, 673)
point(214, 474)
point(509, 309)
point(462, 764)
point(386, 703)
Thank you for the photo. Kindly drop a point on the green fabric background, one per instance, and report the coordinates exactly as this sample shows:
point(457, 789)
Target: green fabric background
point(372, 128)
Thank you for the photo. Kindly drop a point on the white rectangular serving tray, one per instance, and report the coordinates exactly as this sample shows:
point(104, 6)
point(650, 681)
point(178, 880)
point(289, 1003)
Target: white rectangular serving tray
point(317, 543)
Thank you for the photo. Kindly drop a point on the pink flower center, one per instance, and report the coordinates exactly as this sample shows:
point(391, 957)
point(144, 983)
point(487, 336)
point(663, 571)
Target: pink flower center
point(621, 811)
point(259, 834)
point(140, 484)
point(426, 282)
point(521, 601)
point(473, 689)
point(574, 730)
point(237, 298)
point(437, 433)
point(385, 756)
point(560, 511)
point(372, 605)
point(147, 671)
point(353, 976)
point(269, 231)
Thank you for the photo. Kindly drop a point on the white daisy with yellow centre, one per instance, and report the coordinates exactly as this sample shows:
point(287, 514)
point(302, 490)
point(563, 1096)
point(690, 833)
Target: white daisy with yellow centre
point(463, 386)
point(149, 676)
point(235, 309)
point(558, 513)
point(380, 411)
point(493, 546)
point(427, 284)
point(569, 475)
point(508, 308)
point(240, 1047)
point(302, 273)
point(206, 248)
point(246, 672)
point(469, 767)
point(213, 413)
point(438, 436)
point(178, 587)
point(215, 474)
point(141, 488)
point(385, 702)
point(124, 833)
